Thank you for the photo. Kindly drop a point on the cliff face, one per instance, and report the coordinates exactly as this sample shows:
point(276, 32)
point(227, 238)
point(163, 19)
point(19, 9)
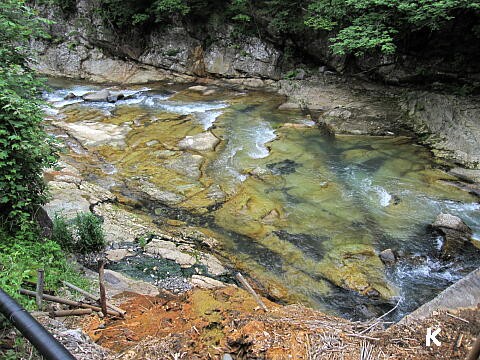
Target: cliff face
point(83, 47)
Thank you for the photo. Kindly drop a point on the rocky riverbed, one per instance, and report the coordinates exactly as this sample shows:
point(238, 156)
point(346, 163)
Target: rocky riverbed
point(186, 175)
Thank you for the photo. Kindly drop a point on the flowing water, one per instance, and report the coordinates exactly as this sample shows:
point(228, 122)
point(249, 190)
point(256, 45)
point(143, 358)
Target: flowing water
point(303, 212)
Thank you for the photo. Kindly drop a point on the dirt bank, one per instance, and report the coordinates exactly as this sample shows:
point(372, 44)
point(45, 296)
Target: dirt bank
point(207, 324)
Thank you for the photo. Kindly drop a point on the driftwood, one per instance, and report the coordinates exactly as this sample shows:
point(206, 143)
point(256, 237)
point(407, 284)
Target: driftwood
point(67, 302)
point(73, 312)
point(92, 297)
point(251, 291)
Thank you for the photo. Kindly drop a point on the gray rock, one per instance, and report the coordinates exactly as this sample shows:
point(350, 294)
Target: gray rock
point(300, 74)
point(205, 282)
point(97, 96)
point(168, 250)
point(456, 235)
point(92, 134)
point(161, 195)
point(214, 266)
point(44, 222)
point(67, 200)
point(199, 88)
point(201, 142)
point(216, 193)
point(117, 254)
point(466, 174)
point(117, 283)
point(448, 123)
point(152, 143)
point(253, 58)
point(388, 257)
point(227, 357)
point(70, 96)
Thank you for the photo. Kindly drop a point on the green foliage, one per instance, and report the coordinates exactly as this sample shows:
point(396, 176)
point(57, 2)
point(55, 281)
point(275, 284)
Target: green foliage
point(164, 8)
point(62, 233)
point(82, 235)
point(25, 149)
point(90, 233)
point(368, 25)
point(23, 254)
point(291, 74)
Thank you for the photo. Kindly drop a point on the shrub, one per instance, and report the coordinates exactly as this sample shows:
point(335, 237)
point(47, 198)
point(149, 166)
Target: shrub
point(90, 233)
point(25, 148)
point(82, 235)
point(62, 233)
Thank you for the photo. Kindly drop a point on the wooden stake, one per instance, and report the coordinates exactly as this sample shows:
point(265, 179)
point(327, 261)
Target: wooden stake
point(40, 286)
point(101, 280)
point(67, 302)
point(93, 297)
point(251, 291)
point(74, 312)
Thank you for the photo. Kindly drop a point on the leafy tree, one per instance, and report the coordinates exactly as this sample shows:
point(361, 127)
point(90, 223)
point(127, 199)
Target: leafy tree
point(366, 25)
point(25, 149)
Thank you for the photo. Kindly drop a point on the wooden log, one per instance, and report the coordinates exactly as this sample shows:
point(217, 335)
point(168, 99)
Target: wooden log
point(101, 281)
point(251, 291)
point(73, 312)
point(93, 297)
point(40, 286)
point(67, 302)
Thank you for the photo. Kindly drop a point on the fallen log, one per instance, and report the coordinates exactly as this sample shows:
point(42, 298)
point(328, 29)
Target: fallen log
point(73, 312)
point(251, 291)
point(93, 297)
point(67, 302)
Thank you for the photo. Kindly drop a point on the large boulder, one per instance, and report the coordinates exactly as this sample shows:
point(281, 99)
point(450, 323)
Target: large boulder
point(97, 96)
point(455, 233)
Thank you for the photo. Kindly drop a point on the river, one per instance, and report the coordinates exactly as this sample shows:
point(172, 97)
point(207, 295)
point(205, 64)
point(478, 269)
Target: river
point(303, 212)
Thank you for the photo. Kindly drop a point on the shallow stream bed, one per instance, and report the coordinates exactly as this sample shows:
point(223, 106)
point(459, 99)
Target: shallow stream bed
point(303, 212)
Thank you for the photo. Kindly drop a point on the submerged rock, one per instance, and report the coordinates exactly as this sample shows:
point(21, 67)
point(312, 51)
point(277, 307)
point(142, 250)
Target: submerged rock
point(186, 164)
point(455, 233)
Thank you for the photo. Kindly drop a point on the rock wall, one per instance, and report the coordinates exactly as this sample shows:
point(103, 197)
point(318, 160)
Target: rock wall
point(83, 47)
point(449, 124)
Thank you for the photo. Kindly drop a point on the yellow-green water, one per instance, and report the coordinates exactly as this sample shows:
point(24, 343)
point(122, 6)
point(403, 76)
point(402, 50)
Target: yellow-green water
point(304, 213)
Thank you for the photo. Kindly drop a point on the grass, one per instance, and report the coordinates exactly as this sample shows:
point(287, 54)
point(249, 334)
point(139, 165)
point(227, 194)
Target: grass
point(21, 255)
